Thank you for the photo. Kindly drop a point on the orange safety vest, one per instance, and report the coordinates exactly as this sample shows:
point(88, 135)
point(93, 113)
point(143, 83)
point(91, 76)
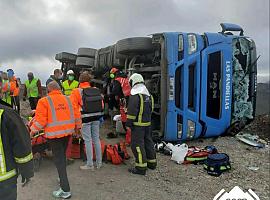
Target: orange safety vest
point(124, 85)
point(14, 87)
point(60, 117)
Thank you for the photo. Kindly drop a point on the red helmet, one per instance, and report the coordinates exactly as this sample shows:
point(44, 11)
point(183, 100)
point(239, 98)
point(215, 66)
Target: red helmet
point(114, 70)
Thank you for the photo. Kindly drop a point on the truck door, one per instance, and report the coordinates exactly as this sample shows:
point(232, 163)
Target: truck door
point(216, 84)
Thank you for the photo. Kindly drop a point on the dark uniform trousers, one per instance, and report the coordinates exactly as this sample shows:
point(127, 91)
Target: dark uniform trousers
point(142, 146)
point(59, 146)
point(8, 192)
point(33, 102)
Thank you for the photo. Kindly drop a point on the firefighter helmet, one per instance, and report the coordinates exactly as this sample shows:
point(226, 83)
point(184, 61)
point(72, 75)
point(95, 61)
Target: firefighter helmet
point(135, 79)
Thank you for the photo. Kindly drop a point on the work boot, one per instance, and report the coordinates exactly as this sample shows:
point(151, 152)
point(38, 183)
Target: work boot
point(61, 194)
point(151, 166)
point(137, 171)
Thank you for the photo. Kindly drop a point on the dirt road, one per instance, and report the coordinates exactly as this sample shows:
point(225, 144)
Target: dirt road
point(169, 181)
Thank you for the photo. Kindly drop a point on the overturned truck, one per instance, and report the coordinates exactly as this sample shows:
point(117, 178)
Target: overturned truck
point(203, 85)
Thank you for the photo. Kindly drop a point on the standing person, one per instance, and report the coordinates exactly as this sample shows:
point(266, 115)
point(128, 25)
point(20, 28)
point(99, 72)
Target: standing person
point(14, 90)
point(140, 108)
point(32, 90)
point(5, 90)
point(57, 76)
point(89, 103)
point(121, 92)
point(69, 84)
point(55, 114)
point(15, 153)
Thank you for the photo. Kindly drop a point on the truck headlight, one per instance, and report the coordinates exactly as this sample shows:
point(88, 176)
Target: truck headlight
point(192, 43)
point(191, 129)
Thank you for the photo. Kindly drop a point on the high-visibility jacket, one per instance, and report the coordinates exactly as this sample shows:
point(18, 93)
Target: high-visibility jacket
point(32, 88)
point(15, 148)
point(6, 91)
point(124, 85)
point(68, 87)
point(76, 98)
point(140, 108)
point(14, 87)
point(56, 115)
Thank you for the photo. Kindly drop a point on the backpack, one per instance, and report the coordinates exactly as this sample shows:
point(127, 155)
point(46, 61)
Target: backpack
point(215, 164)
point(196, 155)
point(92, 101)
point(122, 150)
point(112, 154)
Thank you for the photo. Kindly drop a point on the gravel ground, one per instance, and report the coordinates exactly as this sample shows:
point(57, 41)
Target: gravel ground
point(169, 181)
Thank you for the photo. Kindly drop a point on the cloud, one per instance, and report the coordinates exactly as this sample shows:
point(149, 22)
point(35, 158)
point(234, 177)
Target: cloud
point(33, 31)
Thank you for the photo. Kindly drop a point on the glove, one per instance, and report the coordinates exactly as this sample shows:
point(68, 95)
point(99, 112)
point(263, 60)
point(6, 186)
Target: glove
point(25, 181)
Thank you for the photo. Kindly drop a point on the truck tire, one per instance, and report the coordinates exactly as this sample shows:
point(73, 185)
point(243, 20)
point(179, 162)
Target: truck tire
point(84, 61)
point(87, 52)
point(66, 57)
point(135, 46)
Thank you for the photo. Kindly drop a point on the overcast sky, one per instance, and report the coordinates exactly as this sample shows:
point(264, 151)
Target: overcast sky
point(33, 31)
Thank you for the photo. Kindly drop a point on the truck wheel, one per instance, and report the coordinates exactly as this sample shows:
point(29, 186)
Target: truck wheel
point(87, 52)
point(134, 46)
point(84, 61)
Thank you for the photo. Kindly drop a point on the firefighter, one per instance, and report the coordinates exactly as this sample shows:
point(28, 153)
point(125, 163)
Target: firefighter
point(69, 84)
point(140, 108)
point(15, 153)
point(56, 115)
point(32, 90)
point(14, 90)
point(121, 92)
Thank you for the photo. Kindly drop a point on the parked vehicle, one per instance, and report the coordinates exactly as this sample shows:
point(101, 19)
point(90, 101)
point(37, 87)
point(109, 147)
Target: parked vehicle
point(204, 85)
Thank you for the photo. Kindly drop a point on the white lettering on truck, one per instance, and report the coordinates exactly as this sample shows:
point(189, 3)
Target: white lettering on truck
point(228, 85)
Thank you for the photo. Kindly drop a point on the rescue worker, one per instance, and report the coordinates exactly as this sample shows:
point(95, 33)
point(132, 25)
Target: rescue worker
point(121, 91)
point(15, 153)
point(5, 92)
point(57, 76)
point(140, 108)
point(69, 84)
point(14, 90)
point(88, 102)
point(55, 114)
point(32, 90)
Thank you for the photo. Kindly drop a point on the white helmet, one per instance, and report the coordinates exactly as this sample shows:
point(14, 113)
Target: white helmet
point(70, 72)
point(135, 79)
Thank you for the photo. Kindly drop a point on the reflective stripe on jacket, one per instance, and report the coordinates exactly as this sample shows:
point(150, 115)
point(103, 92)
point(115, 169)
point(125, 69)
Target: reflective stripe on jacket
point(15, 147)
point(32, 88)
point(55, 113)
point(140, 108)
point(6, 91)
point(69, 87)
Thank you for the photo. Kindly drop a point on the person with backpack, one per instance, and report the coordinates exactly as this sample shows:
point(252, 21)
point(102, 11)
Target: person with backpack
point(88, 102)
point(140, 108)
point(121, 92)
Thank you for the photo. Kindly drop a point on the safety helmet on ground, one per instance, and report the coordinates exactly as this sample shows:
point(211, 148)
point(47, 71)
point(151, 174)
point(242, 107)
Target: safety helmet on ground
point(135, 79)
point(70, 72)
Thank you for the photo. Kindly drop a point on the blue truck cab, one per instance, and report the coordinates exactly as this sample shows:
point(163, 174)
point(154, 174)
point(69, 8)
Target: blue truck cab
point(204, 85)
point(211, 81)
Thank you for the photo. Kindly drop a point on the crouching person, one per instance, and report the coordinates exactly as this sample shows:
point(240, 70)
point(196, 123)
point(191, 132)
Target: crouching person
point(89, 104)
point(140, 108)
point(56, 115)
